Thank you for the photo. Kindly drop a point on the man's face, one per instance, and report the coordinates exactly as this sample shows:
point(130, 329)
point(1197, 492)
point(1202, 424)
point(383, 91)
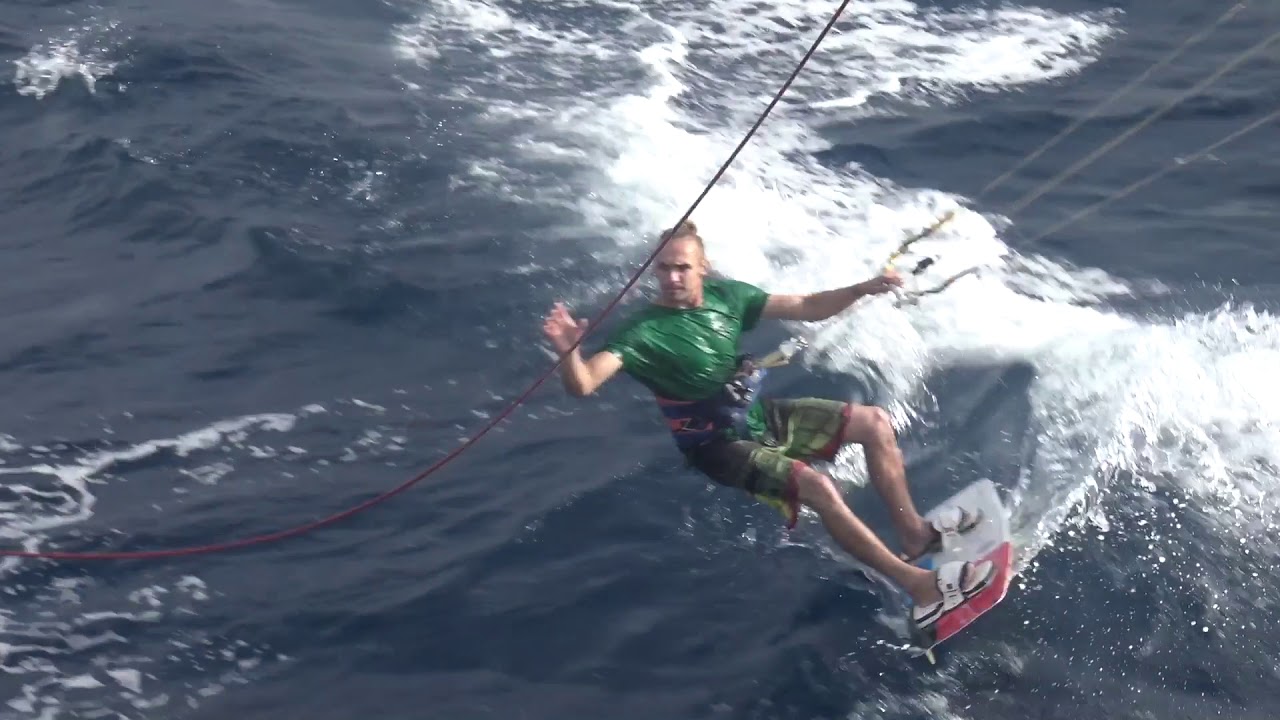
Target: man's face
point(680, 268)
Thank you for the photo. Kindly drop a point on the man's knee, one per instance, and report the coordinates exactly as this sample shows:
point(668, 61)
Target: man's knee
point(815, 489)
point(869, 425)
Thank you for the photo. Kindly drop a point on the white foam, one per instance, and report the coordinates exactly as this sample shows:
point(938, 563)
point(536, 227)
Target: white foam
point(73, 479)
point(492, 31)
point(879, 49)
point(65, 665)
point(1188, 399)
point(130, 679)
point(82, 51)
point(208, 474)
point(57, 491)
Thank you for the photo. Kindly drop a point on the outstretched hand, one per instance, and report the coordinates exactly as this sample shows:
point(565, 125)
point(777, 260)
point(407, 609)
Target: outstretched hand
point(883, 283)
point(562, 330)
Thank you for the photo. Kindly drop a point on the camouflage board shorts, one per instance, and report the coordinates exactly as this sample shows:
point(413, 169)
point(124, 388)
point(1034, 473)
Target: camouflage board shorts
point(766, 466)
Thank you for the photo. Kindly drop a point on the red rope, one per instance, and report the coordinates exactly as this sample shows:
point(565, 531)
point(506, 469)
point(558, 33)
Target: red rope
point(300, 529)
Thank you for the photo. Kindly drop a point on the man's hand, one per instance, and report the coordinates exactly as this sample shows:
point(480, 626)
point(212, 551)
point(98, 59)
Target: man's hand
point(883, 283)
point(580, 377)
point(562, 330)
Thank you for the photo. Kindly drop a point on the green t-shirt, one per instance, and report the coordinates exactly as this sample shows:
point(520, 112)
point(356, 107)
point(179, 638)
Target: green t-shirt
point(688, 354)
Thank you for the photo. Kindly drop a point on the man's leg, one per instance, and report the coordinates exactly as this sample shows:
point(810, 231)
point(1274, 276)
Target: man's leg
point(813, 427)
point(870, 427)
point(818, 492)
point(786, 483)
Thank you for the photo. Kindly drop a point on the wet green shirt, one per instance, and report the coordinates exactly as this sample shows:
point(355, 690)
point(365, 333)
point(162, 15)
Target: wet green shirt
point(689, 353)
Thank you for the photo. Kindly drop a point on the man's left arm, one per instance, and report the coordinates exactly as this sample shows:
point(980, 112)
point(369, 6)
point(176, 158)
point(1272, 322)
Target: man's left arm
point(828, 303)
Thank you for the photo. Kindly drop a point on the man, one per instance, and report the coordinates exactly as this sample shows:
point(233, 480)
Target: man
point(683, 346)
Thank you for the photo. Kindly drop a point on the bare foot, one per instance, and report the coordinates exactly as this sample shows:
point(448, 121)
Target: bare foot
point(923, 587)
point(917, 539)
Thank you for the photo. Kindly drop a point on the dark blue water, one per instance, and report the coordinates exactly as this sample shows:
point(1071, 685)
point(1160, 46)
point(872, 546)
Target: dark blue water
point(267, 260)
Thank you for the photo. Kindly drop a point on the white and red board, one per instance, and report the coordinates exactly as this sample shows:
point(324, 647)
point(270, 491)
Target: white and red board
point(990, 540)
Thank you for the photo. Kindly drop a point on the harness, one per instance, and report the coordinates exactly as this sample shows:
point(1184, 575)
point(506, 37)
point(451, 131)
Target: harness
point(724, 413)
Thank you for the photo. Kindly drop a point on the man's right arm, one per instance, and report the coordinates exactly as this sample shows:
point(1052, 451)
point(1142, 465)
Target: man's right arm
point(583, 377)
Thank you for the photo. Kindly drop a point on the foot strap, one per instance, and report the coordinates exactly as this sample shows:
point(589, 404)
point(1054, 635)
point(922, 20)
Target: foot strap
point(954, 520)
point(951, 580)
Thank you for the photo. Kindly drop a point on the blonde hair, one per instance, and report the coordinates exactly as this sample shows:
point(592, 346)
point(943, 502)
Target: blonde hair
point(685, 229)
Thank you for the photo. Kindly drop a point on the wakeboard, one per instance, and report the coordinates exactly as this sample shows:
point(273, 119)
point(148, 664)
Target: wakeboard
point(989, 540)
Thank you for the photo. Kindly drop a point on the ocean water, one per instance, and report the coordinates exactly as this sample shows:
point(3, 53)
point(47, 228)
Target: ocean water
point(266, 260)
